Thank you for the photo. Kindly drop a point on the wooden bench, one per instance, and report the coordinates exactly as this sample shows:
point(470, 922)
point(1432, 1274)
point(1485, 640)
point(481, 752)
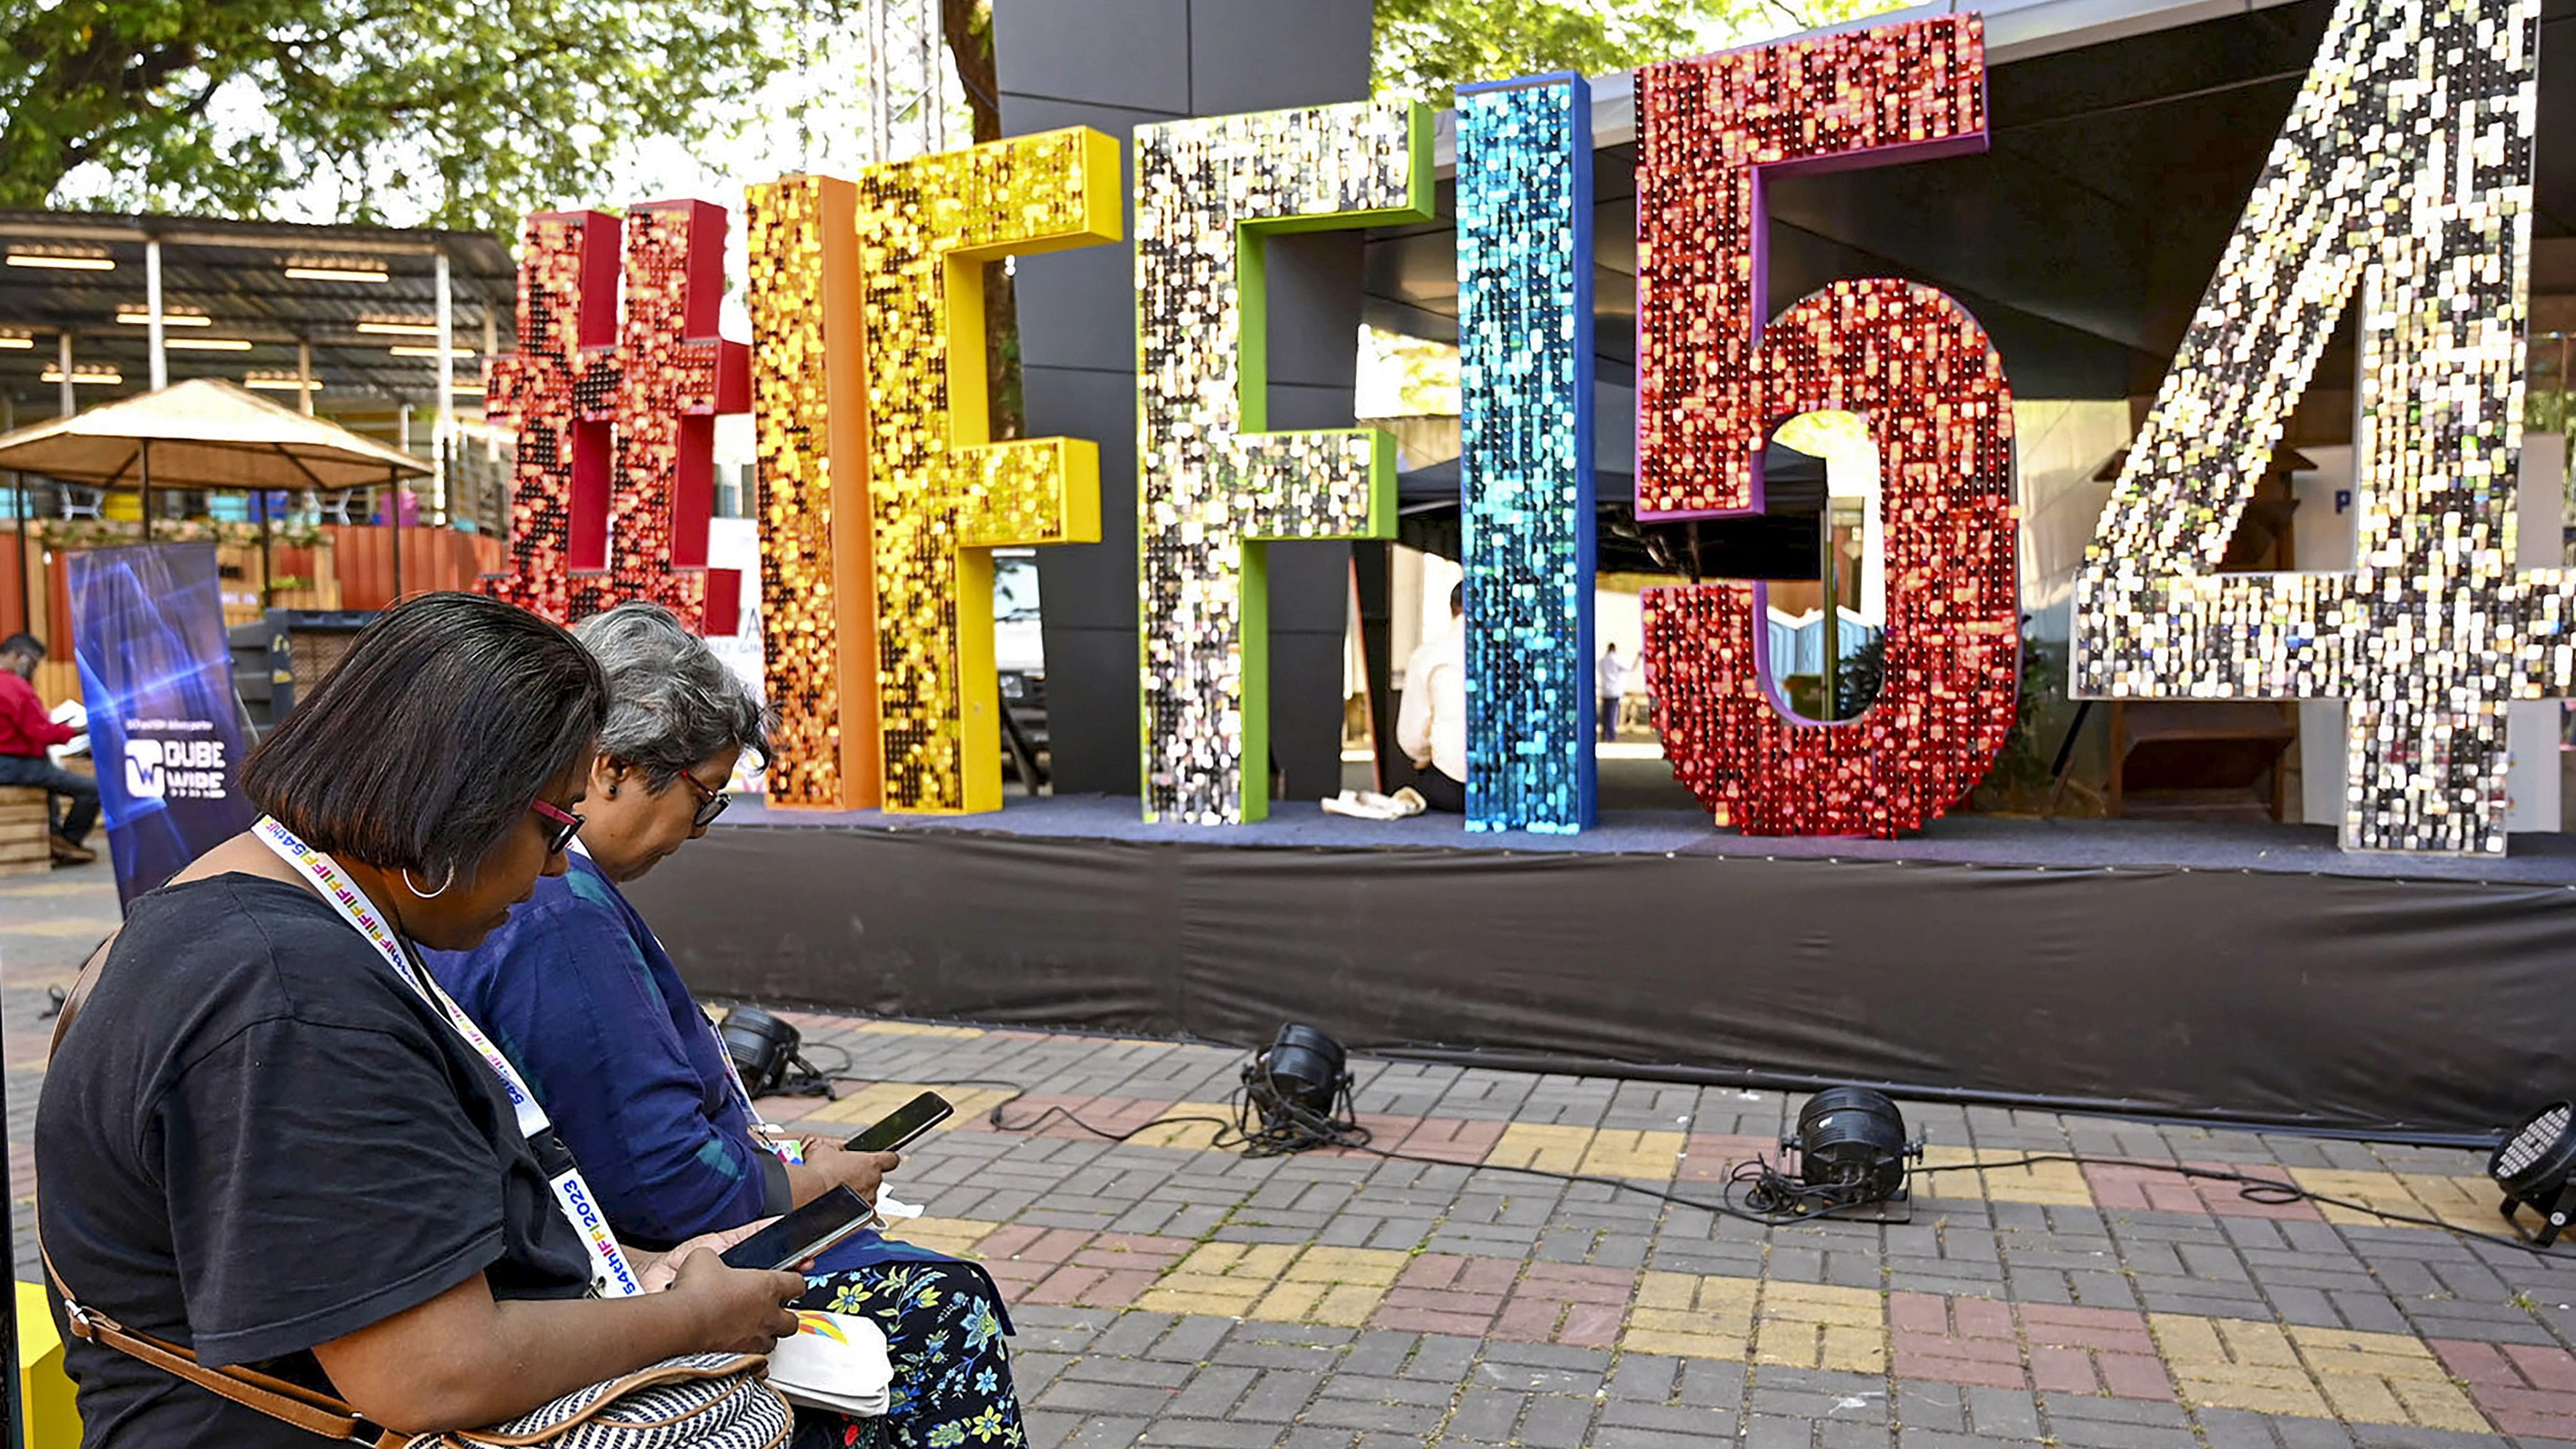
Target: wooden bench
point(23, 828)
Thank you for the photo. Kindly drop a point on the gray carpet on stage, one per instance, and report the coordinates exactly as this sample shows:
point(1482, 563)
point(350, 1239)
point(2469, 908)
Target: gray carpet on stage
point(2540, 859)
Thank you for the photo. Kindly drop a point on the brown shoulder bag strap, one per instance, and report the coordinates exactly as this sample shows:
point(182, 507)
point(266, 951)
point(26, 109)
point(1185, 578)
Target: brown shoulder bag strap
point(261, 1393)
point(78, 996)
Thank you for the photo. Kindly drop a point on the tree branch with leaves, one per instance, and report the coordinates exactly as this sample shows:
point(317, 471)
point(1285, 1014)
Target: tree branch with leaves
point(463, 113)
point(1426, 49)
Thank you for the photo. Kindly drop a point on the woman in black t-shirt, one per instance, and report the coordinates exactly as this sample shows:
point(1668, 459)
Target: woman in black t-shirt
point(260, 1141)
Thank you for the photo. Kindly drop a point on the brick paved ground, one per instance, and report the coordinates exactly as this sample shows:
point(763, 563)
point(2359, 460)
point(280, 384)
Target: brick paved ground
point(1167, 1293)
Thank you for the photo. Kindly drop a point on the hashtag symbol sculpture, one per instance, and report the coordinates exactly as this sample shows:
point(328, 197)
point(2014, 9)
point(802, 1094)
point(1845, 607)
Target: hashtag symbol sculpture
point(615, 408)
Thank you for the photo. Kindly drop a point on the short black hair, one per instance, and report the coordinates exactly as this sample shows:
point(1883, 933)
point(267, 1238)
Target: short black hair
point(23, 643)
point(450, 713)
point(1458, 597)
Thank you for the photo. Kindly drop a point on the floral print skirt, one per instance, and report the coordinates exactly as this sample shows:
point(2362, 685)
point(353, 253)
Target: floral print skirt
point(944, 1326)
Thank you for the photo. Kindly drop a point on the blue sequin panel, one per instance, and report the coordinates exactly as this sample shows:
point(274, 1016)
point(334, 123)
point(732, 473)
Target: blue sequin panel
point(1525, 472)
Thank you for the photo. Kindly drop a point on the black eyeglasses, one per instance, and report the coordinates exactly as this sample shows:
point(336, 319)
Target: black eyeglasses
point(566, 826)
point(711, 803)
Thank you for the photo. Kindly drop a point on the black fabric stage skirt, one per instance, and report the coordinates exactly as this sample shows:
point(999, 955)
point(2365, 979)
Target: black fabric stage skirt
point(2248, 973)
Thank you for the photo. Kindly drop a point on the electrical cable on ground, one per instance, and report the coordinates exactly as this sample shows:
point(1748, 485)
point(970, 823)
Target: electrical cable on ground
point(1755, 1191)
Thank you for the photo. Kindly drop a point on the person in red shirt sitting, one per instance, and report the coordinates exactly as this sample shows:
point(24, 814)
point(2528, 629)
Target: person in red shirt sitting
point(25, 730)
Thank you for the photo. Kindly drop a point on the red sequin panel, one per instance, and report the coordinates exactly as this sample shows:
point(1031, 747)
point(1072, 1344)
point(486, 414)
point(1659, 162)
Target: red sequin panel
point(674, 376)
point(1713, 383)
point(613, 498)
point(567, 315)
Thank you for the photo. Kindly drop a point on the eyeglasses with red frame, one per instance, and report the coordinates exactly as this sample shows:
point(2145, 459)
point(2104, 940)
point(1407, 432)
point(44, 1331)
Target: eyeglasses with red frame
point(566, 825)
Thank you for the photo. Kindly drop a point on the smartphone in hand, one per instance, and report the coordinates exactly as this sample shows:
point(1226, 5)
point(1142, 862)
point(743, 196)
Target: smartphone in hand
point(904, 1126)
point(812, 1229)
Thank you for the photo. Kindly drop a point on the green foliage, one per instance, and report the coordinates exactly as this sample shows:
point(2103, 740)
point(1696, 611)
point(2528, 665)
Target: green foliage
point(2021, 782)
point(1426, 49)
point(464, 113)
point(1857, 682)
point(2549, 412)
point(80, 533)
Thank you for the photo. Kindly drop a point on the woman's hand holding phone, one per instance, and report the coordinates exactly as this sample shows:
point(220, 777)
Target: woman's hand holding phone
point(860, 1172)
point(740, 1310)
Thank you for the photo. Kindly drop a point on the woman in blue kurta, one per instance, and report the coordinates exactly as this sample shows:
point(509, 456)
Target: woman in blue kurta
point(579, 994)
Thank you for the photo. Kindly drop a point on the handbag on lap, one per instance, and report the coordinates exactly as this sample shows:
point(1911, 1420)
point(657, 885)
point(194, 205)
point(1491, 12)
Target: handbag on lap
point(695, 1401)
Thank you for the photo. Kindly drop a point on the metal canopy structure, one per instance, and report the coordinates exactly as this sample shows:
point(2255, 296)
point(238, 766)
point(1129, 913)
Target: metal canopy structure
point(208, 433)
point(204, 433)
point(337, 300)
point(2126, 135)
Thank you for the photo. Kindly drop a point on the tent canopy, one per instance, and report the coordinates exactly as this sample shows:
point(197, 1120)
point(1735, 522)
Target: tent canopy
point(204, 433)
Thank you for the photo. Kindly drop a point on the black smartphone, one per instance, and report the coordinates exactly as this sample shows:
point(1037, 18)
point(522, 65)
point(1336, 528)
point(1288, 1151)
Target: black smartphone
point(803, 1233)
point(900, 1128)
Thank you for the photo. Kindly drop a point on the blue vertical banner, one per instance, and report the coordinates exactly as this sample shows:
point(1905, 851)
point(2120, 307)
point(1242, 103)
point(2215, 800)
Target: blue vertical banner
point(1525, 469)
point(165, 732)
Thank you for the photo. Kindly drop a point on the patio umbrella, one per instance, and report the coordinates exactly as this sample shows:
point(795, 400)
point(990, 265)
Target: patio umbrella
point(209, 433)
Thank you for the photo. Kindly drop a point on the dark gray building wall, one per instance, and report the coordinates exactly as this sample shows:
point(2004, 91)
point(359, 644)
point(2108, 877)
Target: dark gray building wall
point(1112, 65)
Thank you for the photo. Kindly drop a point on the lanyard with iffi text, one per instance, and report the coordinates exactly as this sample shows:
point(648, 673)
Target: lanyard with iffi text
point(611, 1275)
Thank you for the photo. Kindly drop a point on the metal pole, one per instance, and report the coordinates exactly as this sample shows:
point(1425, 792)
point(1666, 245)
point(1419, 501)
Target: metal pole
point(880, 124)
point(1825, 572)
point(2065, 752)
point(267, 572)
point(934, 96)
point(63, 364)
point(393, 520)
point(152, 306)
point(304, 378)
point(144, 459)
point(18, 505)
point(438, 428)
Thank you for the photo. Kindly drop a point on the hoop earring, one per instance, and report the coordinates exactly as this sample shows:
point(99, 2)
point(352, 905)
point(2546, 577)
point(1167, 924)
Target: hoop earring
point(443, 884)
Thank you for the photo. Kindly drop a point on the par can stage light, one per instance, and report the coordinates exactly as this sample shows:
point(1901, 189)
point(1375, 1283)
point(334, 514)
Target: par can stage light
point(2533, 1166)
point(763, 1048)
point(1299, 1087)
point(1306, 1067)
point(1851, 1144)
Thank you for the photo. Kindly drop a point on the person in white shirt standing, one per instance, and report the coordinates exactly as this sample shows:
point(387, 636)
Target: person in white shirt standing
point(1432, 726)
point(1612, 681)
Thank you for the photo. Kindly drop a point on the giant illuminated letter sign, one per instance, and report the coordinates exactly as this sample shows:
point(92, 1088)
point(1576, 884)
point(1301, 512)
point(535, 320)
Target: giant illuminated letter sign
point(809, 410)
point(1212, 486)
point(941, 494)
point(1525, 468)
point(886, 495)
point(1713, 381)
point(2405, 169)
point(615, 410)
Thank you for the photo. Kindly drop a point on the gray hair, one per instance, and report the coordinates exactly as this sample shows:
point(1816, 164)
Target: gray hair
point(671, 702)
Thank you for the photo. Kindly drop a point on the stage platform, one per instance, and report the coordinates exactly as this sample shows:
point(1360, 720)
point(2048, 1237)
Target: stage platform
point(2548, 859)
point(2247, 973)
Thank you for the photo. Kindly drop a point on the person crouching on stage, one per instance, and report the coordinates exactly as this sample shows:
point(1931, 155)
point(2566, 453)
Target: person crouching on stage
point(576, 990)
